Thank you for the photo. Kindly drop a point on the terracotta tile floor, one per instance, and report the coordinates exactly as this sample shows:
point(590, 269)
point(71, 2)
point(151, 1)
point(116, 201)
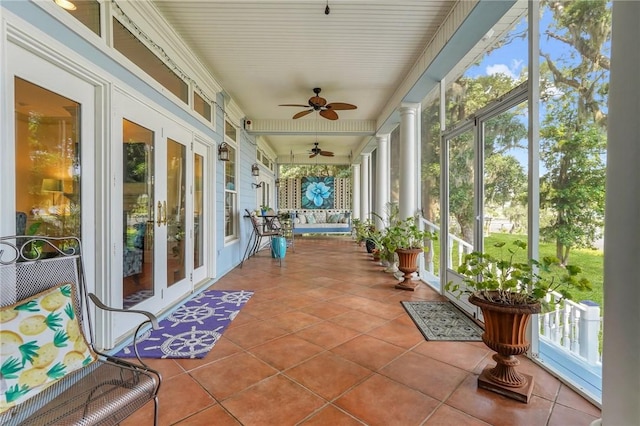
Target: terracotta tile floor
point(325, 341)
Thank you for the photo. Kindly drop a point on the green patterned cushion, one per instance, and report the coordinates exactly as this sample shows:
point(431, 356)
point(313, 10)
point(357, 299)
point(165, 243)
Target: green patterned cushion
point(334, 218)
point(41, 342)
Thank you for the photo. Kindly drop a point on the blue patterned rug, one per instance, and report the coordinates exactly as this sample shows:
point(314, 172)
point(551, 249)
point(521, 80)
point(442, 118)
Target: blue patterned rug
point(191, 330)
point(443, 321)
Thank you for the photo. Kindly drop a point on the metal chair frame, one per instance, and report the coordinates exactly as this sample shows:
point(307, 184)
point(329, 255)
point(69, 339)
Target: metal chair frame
point(269, 229)
point(104, 392)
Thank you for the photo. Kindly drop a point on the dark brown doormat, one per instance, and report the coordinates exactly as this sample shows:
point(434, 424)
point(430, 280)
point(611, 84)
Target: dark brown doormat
point(443, 321)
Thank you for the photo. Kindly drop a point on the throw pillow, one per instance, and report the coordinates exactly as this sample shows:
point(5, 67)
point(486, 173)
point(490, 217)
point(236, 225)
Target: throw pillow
point(311, 218)
point(302, 219)
point(41, 343)
point(321, 217)
point(334, 218)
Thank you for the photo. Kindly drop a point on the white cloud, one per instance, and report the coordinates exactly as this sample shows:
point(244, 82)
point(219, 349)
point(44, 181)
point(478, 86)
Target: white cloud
point(501, 69)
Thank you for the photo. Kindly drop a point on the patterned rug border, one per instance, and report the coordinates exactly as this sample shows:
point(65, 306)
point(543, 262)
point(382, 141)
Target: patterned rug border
point(466, 330)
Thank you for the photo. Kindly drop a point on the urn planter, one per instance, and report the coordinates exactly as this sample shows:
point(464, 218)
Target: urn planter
point(408, 264)
point(505, 333)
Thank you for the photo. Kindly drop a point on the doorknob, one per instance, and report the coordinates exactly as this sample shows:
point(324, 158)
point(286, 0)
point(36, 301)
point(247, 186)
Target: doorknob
point(159, 213)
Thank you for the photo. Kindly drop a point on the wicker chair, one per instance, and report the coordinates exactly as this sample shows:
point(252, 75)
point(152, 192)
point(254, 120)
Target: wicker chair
point(44, 275)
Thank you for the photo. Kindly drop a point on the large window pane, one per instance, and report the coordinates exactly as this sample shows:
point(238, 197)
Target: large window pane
point(574, 88)
point(175, 210)
point(198, 213)
point(131, 47)
point(137, 214)
point(47, 162)
point(230, 196)
point(495, 66)
point(394, 169)
point(430, 176)
point(87, 12)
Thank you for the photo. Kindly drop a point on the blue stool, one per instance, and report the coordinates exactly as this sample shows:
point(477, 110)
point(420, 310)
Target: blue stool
point(278, 248)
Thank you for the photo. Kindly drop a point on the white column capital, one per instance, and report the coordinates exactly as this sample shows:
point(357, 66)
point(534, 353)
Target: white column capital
point(407, 107)
point(383, 137)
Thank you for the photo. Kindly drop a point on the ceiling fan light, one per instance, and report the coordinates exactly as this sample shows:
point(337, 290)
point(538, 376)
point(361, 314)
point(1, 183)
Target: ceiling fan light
point(65, 4)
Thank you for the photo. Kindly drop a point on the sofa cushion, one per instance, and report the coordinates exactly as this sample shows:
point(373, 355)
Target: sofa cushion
point(334, 218)
point(41, 343)
point(321, 217)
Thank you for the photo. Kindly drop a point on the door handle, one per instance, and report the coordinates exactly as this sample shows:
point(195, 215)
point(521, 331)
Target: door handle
point(159, 213)
point(164, 208)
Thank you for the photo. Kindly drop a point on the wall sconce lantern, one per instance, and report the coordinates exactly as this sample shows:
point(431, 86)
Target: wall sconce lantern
point(255, 170)
point(277, 182)
point(223, 152)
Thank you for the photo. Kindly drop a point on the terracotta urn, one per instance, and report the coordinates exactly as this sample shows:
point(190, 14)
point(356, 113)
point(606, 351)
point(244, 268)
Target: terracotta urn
point(408, 264)
point(505, 333)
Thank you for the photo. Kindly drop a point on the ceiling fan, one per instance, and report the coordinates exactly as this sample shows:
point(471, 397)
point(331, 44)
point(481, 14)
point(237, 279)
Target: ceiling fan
point(316, 103)
point(315, 151)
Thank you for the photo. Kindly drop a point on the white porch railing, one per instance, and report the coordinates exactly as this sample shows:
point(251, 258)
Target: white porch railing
point(573, 326)
point(455, 244)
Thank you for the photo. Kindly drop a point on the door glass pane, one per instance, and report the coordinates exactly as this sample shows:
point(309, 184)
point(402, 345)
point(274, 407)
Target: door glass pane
point(137, 239)
point(198, 204)
point(461, 186)
point(505, 178)
point(175, 211)
point(47, 162)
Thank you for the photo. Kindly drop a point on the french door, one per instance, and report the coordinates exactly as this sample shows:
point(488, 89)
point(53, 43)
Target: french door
point(153, 211)
point(486, 168)
point(48, 153)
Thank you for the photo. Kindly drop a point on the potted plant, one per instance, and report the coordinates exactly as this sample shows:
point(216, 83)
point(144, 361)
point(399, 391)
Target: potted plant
point(508, 292)
point(264, 209)
point(363, 229)
point(407, 240)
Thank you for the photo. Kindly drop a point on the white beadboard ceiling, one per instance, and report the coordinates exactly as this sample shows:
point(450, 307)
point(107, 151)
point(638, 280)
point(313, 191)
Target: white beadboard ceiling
point(265, 53)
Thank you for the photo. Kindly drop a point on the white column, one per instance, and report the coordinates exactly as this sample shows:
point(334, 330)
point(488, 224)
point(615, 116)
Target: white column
point(365, 183)
point(621, 352)
point(382, 178)
point(408, 160)
point(355, 192)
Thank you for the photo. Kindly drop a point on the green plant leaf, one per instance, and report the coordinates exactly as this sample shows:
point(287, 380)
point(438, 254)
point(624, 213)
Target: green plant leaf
point(28, 351)
point(31, 306)
point(53, 321)
point(15, 392)
point(10, 367)
point(57, 371)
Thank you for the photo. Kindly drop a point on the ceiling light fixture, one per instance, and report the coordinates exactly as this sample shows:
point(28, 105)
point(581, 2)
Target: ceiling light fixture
point(326, 9)
point(68, 5)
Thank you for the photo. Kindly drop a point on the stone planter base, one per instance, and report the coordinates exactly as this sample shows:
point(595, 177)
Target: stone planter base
point(522, 393)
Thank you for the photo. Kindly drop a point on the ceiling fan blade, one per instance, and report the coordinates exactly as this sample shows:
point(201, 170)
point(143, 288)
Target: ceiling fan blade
point(313, 155)
point(329, 114)
point(326, 153)
point(338, 106)
point(295, 105)
point(302, 113)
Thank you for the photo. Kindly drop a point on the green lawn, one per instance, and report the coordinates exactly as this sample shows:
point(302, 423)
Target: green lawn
point(591, 262)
